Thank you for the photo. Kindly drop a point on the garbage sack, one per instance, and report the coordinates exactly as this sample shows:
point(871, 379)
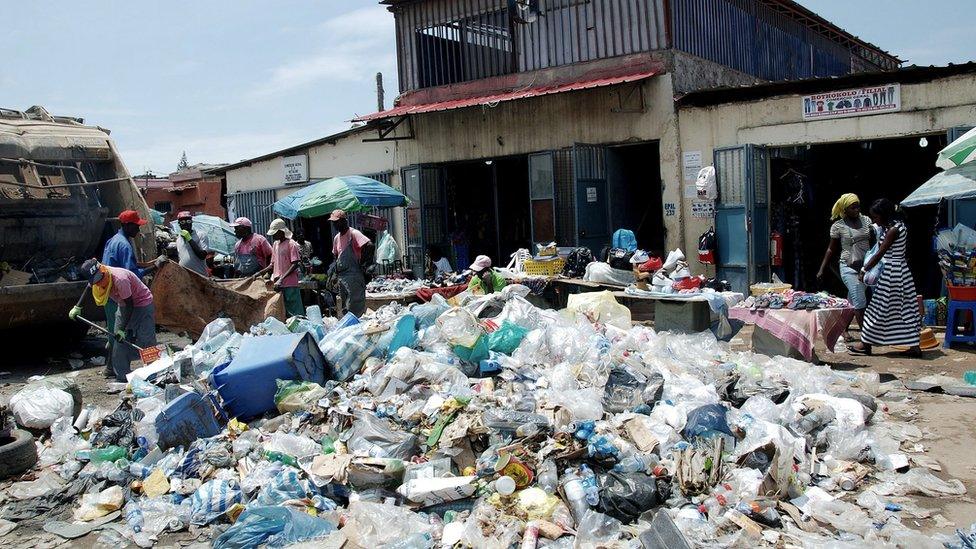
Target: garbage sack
point(474, 354)
point(293, 396)
point(624, 390)
point(600, 307)
point(286, 485)
point(374, 437)
point(213, 499)
point(707, 421)
point(37, 407)
point(624, 496)
point(272, 527)
point(600, 272)
point(427, 313)
point(460, 328)
point(403, 333)
point(506, 338)
point(346, 349)
point(99, 504)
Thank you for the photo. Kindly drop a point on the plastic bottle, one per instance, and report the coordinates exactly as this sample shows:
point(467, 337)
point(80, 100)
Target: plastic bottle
point(590, 486)
point(281, 458)
point(810, 422)
point(414, 541)
point(314, 313)
point(575, 494)
point(109, 453)
point(548, 477)
point(135, 519)
point(637, 462)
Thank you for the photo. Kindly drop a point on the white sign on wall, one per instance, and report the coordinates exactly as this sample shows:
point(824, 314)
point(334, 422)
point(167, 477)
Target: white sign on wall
point(691, 162)
point(854, 102)
point(295, 168)
point(591, 194)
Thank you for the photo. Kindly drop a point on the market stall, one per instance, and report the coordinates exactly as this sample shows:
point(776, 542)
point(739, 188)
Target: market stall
point(790, 323)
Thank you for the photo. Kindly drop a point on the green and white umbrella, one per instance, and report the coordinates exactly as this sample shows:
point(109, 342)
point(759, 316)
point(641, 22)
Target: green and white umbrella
point(958, 152)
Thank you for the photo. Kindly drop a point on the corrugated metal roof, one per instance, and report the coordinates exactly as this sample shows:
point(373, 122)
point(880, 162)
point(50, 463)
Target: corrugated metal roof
point(524, 93)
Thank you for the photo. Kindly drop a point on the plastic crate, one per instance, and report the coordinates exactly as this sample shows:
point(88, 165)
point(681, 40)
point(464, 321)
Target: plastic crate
point(551, 267)
point(961, 293)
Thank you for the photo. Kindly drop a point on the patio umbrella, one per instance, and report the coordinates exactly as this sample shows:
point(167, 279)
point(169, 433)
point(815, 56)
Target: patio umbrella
point(959, 182)
point(219, 234)
point(958, 152)
point(352, 193)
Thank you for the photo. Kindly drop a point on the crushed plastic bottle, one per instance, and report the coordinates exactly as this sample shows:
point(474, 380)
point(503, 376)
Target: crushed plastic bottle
point(590, 486)
point(637, 462)
point(548, 477)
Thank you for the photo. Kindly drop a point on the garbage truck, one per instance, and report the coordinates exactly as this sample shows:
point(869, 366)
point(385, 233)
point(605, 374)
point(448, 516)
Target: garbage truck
point(62, 186)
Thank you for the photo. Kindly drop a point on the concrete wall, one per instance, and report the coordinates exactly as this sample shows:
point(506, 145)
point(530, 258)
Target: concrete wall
point(554, 122)
point(926, 108)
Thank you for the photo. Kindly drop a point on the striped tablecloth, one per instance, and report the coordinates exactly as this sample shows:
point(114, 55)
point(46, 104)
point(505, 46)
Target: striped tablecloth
point(799, 329)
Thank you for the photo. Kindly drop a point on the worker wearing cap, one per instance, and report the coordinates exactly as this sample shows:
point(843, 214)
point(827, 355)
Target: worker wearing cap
point(485, 279)
point(252, 253)
point(118, 252)
point(135, 318)
point(353, 252)
point(285, 258)
point(190, 246)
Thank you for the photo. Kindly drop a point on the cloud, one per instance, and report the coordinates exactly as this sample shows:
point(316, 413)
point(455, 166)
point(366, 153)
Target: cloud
point(349, 53)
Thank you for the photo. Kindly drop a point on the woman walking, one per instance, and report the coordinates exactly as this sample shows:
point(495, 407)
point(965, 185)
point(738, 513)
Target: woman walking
point(850, 234)
point(892, 316)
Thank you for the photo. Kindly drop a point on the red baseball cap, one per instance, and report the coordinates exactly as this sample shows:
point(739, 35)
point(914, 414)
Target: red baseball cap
point(184, 215)
point(131, 216)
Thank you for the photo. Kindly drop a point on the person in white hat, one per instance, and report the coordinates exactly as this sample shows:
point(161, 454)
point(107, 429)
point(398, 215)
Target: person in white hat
point(353, 253)
point(253, 252)
point(285, 258)
point(484, 279)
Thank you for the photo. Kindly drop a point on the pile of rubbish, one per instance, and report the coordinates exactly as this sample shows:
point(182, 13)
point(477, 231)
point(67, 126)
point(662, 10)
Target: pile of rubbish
point(492, 423)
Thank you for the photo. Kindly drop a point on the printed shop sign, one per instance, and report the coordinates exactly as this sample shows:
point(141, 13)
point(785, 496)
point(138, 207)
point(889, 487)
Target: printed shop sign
point(295, 168)
point(855, 102)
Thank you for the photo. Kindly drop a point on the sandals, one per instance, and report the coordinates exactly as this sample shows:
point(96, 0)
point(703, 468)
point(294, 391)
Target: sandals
point(862, 350)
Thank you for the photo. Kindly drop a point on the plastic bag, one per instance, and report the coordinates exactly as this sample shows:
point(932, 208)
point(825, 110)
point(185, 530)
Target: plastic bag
point(427, 313)
point(506, 338)
point(600, 307)
point(918, 481)
point(286, 485)
point(583, 404)
point(346, 349)
point(403, 333)
point(213, 499)
point(215, 334)
point(99, 504)
point(475, 353)
point(293, 445)
point(374, 437)
point(600, 272)
point(371, 524)
point(624, 496)
point(387, 249)
point(272, 527)
point(597, 530)
point(624, 390)
point(293, 396)
point(46, 483)
point(37, 407)
point(706, 421)
point(459, 327)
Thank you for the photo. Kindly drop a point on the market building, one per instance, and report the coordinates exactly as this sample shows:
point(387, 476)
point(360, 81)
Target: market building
point(535, 121)
point(784, 152)
point(255, 184)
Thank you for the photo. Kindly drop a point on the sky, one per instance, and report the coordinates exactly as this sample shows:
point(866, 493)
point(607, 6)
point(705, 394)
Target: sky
point(226, 80)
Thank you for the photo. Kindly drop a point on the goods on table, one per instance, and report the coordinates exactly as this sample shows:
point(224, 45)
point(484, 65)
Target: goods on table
point(586, 425)
point(957, 255)
point(789, 299)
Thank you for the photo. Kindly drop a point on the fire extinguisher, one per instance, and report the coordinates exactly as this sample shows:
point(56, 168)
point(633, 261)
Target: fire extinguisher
point(776, 248)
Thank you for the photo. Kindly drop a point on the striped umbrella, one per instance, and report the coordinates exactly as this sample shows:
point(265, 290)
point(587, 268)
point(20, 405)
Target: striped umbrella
point(958, 152)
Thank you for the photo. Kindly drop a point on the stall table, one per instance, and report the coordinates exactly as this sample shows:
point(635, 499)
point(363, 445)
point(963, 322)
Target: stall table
point(797, 330)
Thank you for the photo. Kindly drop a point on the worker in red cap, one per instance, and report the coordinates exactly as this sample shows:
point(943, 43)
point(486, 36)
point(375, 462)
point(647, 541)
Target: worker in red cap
point(252, 253)
point(119, 253)
point(353, 252)
point(191, 246)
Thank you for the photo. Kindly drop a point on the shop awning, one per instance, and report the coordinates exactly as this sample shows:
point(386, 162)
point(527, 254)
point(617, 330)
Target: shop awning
point(956, 183)
point(523, 93)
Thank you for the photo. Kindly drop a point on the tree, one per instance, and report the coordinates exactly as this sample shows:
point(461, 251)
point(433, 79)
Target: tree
point(183, 165)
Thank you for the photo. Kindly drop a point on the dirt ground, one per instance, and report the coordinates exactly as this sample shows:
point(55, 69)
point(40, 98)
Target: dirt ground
point(947, 422)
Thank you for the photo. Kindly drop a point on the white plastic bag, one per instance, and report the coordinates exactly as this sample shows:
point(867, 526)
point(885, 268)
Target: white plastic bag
point(387, 249)
point(39, 407)
point(603, 273)
point(600, 307)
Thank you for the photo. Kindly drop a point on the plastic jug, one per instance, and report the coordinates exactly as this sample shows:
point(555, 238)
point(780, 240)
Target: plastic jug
point(187, 418)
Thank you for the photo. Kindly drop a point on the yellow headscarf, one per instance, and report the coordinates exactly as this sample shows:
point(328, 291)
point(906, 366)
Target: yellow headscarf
point(842, 204)
point(100, 294)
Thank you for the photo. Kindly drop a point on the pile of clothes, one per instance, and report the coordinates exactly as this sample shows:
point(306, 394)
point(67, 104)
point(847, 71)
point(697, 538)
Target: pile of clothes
point(796, 300)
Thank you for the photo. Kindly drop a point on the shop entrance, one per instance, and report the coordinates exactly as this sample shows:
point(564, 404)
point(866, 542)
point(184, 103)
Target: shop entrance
point(805, 182)
point(634, 176)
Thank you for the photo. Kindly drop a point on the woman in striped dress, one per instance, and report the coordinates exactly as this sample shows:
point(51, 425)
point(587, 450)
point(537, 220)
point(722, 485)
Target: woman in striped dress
point(892, 316)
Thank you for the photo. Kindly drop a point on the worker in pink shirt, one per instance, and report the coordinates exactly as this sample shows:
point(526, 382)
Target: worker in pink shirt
point(285, 259)
point(253, 251)
point(353, 252)
point(135, 320)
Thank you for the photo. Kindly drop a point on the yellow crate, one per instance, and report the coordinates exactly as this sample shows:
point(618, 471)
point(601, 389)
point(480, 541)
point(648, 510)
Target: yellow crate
point(544, 268)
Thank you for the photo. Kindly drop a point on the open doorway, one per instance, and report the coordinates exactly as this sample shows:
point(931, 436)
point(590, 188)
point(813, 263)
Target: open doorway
point(806, 181)
point(634, 177)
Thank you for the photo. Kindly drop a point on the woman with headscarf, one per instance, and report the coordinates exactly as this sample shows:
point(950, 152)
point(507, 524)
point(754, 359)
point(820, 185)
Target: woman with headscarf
point(850, 234)
point(892, 317)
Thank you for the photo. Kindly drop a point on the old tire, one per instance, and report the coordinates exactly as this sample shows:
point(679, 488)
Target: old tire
point(17, 453)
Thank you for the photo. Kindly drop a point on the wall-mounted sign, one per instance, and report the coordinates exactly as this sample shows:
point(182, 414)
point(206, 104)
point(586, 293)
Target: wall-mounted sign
point(591, 194)
point(295, 168)
point(691, 162)
point(855, 102)
point(702, 209)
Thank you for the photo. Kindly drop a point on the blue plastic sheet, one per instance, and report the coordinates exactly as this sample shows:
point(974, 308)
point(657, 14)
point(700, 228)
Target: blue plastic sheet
point(272, 527)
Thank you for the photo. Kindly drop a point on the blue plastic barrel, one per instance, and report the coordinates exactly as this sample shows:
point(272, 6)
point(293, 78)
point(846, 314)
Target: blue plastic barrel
point(247, 385)
point(188, 417)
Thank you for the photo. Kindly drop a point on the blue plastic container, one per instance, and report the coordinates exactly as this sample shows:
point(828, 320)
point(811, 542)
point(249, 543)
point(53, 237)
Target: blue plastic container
point(188, 417)
point(247, 385)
